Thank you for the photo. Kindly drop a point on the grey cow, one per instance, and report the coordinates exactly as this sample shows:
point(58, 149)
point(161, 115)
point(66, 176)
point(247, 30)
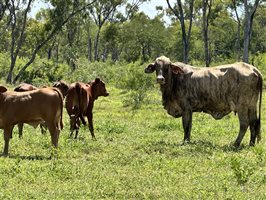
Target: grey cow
point(215, 90)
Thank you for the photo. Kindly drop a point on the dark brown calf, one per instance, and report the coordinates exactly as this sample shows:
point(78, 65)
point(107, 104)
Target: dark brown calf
point(79, 103)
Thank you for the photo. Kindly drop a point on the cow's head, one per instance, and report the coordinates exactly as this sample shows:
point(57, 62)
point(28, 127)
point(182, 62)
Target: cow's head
point(2, 89)
point(99, 89)
point(62, 86)
point(163, 67)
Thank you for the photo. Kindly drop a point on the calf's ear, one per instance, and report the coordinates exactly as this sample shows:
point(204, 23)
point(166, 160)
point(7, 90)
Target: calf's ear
point(150, 68)
point(176, 69)
point(97, 80)
point(2, 89)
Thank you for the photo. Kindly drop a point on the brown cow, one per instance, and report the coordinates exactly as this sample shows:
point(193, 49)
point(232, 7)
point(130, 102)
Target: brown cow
point(79, 103)
point(31, 107)
point(214, 90)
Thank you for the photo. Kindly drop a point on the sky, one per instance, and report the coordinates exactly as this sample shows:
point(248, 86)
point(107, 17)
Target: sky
point(149, 8)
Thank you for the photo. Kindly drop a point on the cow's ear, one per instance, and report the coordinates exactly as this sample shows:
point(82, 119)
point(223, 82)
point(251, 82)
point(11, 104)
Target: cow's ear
point(2, 89)
point(176, 69)
point(97, 80)
point(150, 68)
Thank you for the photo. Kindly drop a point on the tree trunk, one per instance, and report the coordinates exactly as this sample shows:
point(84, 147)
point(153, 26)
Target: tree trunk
point(89, 49)
point(249, 15)
point(205, 28)
point(238, 46)
point(246, 40)
point(96, 45)
point(178, 12)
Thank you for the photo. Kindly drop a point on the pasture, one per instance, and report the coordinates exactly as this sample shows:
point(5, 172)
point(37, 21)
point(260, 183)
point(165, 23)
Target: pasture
point(138, 155)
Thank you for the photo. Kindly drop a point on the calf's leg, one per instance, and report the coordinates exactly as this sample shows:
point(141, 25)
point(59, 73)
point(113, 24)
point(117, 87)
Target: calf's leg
point(90, 120)
point(187, 125)
point(54, 131)
point(7, 135)
point(20, 129)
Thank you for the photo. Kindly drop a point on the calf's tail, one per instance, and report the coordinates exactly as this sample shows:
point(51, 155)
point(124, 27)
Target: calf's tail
point(80, 103)
point(61, 107)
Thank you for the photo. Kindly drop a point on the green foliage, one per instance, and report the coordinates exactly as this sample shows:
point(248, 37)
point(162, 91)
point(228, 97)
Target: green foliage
point(242, 168)
point(136, 83)
point(4, 65)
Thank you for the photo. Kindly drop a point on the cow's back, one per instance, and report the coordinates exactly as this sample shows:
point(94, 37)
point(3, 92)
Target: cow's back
point(36, 105)
point(218, 90)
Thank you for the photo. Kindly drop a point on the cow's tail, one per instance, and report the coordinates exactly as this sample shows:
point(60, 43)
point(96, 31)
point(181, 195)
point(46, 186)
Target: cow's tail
point(80, 103)
point(61, 107)
point(258, 121)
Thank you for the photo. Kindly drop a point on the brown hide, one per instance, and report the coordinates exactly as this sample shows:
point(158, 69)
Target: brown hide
point(214, 90)
point(79, 103)
point(24, 87)
point(31, 107)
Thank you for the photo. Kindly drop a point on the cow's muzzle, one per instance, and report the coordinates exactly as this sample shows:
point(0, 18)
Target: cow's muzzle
point(161, 80)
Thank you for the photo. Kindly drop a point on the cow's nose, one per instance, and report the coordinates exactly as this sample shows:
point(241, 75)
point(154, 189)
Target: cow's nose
point(160, 79)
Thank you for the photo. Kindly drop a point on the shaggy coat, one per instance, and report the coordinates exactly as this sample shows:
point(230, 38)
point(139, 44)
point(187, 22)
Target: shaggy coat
point(217, 91)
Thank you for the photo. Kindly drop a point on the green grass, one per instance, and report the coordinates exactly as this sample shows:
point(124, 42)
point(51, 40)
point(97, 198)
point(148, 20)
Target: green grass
point(138, 155)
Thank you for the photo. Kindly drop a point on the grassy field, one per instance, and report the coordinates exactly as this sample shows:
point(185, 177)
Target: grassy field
point(138, 155)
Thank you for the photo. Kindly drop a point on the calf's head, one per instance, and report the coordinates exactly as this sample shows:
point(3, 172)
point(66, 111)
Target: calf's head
point(98, 88)
point(163, 68)
point(62, 86)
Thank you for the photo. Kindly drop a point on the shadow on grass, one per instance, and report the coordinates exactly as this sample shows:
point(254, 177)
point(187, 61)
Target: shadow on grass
point(196, 148)
point(22, 157)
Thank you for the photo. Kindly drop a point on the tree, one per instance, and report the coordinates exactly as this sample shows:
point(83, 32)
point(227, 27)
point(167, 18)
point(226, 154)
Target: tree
point(250, 11)
point(179, 13)
point(101, 12)
point(60, 14)
point(236, 4)
point(18, 25)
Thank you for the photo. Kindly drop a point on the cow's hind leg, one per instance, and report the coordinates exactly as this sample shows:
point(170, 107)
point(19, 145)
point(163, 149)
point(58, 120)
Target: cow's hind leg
point(254, 126)
point(187, 125)
point(243, 123)
point(20, 130)
point(90, 120)
point(54, 131)
point(7, 136)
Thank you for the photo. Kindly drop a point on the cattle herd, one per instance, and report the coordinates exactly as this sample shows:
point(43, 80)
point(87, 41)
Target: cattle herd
point(185, 89)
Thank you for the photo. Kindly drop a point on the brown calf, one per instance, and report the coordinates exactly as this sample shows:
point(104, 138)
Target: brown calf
point(31, 107)
point(79, 103)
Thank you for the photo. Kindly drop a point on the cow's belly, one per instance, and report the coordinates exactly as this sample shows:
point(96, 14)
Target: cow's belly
point(219, 110)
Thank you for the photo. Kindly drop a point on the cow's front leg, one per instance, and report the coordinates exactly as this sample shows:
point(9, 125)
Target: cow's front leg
point(187, 124)
point(90, 118)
